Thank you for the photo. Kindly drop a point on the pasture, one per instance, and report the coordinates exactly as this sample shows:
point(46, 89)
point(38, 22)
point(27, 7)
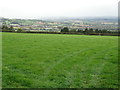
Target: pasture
point(59, 61)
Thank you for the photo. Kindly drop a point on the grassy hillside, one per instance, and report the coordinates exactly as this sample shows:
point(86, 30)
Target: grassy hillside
point(59, 61)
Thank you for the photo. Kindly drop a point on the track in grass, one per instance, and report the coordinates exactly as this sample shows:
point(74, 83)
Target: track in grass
point(59, 61)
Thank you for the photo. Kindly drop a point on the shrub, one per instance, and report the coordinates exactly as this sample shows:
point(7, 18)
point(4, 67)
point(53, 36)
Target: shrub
point(20, 30)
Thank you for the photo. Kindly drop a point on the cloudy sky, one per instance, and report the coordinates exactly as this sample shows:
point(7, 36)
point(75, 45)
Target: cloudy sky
point(57, 8)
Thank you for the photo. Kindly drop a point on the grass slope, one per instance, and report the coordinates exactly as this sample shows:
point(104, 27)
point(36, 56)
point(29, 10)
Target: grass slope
point(59, 61)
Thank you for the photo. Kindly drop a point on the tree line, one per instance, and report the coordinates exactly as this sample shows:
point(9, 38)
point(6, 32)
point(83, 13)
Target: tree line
point(6, 28)
point(66, 30)
point(87, 30)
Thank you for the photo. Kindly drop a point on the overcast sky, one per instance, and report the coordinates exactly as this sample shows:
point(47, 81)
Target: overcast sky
point(57, 8)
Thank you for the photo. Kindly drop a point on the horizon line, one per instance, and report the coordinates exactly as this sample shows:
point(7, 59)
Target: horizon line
point(48, 17)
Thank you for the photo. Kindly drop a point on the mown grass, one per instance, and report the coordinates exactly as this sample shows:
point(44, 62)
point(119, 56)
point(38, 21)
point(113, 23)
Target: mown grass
point(59, 61)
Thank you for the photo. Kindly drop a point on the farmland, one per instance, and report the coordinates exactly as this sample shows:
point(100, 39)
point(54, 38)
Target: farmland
point(56, 24)
point(59, 61)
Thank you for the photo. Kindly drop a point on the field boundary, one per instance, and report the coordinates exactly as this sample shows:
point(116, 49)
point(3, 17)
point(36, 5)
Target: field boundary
point(74, 33)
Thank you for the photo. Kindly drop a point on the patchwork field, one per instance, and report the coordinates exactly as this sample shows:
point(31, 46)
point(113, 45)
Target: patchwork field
point(59, 61)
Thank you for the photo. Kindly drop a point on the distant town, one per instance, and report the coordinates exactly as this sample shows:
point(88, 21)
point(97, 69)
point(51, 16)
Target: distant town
point(55, 25)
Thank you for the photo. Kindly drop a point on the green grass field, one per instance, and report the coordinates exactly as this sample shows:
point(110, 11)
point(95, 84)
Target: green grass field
point(59, 61)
